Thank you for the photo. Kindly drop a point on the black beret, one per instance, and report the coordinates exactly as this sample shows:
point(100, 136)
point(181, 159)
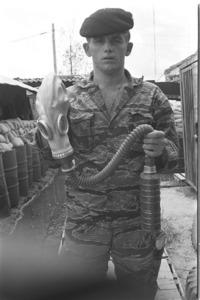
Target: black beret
point(106, 21)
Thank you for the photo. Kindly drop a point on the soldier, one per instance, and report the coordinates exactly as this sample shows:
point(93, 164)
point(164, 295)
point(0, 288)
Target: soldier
point(104, 220)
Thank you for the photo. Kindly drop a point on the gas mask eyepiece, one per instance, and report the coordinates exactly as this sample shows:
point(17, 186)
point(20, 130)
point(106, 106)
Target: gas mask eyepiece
point(63, 124)
point(45, 129)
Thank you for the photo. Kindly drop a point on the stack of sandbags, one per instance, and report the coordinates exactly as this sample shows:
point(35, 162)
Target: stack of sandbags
point(30, 128)
point(11, 133)
point(21, 127)
point(177, 109)
point(16, 132)
point(5, 144)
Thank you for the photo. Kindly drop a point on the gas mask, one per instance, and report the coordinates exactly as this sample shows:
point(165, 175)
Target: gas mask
point(53, 105)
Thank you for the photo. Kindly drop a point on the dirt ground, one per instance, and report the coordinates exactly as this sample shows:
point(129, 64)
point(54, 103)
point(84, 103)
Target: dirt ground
point(178, 205)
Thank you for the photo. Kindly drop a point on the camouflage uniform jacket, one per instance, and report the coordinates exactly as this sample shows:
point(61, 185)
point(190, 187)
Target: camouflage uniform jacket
point(96, 135)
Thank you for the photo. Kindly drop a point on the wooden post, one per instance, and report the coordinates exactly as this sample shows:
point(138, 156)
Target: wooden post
point(198, 163)
point(54, 49)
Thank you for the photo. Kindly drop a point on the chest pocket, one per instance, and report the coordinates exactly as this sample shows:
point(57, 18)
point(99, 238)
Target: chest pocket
point(81, 131)
point(137, 118)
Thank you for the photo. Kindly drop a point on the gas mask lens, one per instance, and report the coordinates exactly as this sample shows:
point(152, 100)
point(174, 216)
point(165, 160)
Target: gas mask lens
point(45, 130)
point(62, 124)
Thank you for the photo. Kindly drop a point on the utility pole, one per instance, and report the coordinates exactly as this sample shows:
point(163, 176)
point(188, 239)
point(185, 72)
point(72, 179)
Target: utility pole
point(54, 49)
point(154, 35)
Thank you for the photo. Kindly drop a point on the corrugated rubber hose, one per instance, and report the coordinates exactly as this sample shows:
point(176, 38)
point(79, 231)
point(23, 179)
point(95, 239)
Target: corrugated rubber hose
point(137, 133)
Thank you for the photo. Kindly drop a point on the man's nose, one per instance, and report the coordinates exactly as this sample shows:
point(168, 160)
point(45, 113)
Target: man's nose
point(108, 46)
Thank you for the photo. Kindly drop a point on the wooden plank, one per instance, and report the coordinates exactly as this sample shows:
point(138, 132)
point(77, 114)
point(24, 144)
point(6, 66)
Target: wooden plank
point(167, 287)
point(179, 176)
point(175, 183)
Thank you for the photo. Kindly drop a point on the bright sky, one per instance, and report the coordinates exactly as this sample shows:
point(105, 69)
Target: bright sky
point(27, 53)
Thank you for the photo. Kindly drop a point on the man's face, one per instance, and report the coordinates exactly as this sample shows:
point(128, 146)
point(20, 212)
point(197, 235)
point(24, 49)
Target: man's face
point(108, 52)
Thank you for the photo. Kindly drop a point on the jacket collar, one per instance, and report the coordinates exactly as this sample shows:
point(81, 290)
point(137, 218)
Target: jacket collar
point(88, 81)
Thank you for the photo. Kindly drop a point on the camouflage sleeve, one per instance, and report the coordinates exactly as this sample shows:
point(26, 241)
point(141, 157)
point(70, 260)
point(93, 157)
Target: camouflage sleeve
point(163, 119)
point(45, 151)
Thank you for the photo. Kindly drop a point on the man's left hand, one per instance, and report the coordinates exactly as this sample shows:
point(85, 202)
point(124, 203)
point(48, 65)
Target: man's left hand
point(154, 143)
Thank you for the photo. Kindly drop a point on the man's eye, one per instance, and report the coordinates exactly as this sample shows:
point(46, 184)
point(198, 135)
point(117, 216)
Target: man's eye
point(98, 40)
point(117, 40)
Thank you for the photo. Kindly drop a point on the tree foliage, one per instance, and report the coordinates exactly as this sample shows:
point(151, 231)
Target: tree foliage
point(74, 59)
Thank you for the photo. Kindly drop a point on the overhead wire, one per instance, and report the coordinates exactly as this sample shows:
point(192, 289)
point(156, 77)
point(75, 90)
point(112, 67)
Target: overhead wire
point(25, 38)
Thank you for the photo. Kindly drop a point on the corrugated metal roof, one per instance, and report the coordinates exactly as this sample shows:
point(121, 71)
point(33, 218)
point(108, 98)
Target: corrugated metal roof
point(10, 81)
point(177, 65)
point(36, 82)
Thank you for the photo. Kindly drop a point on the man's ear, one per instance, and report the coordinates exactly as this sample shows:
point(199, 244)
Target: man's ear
point(129, 48)
point(87, 49)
